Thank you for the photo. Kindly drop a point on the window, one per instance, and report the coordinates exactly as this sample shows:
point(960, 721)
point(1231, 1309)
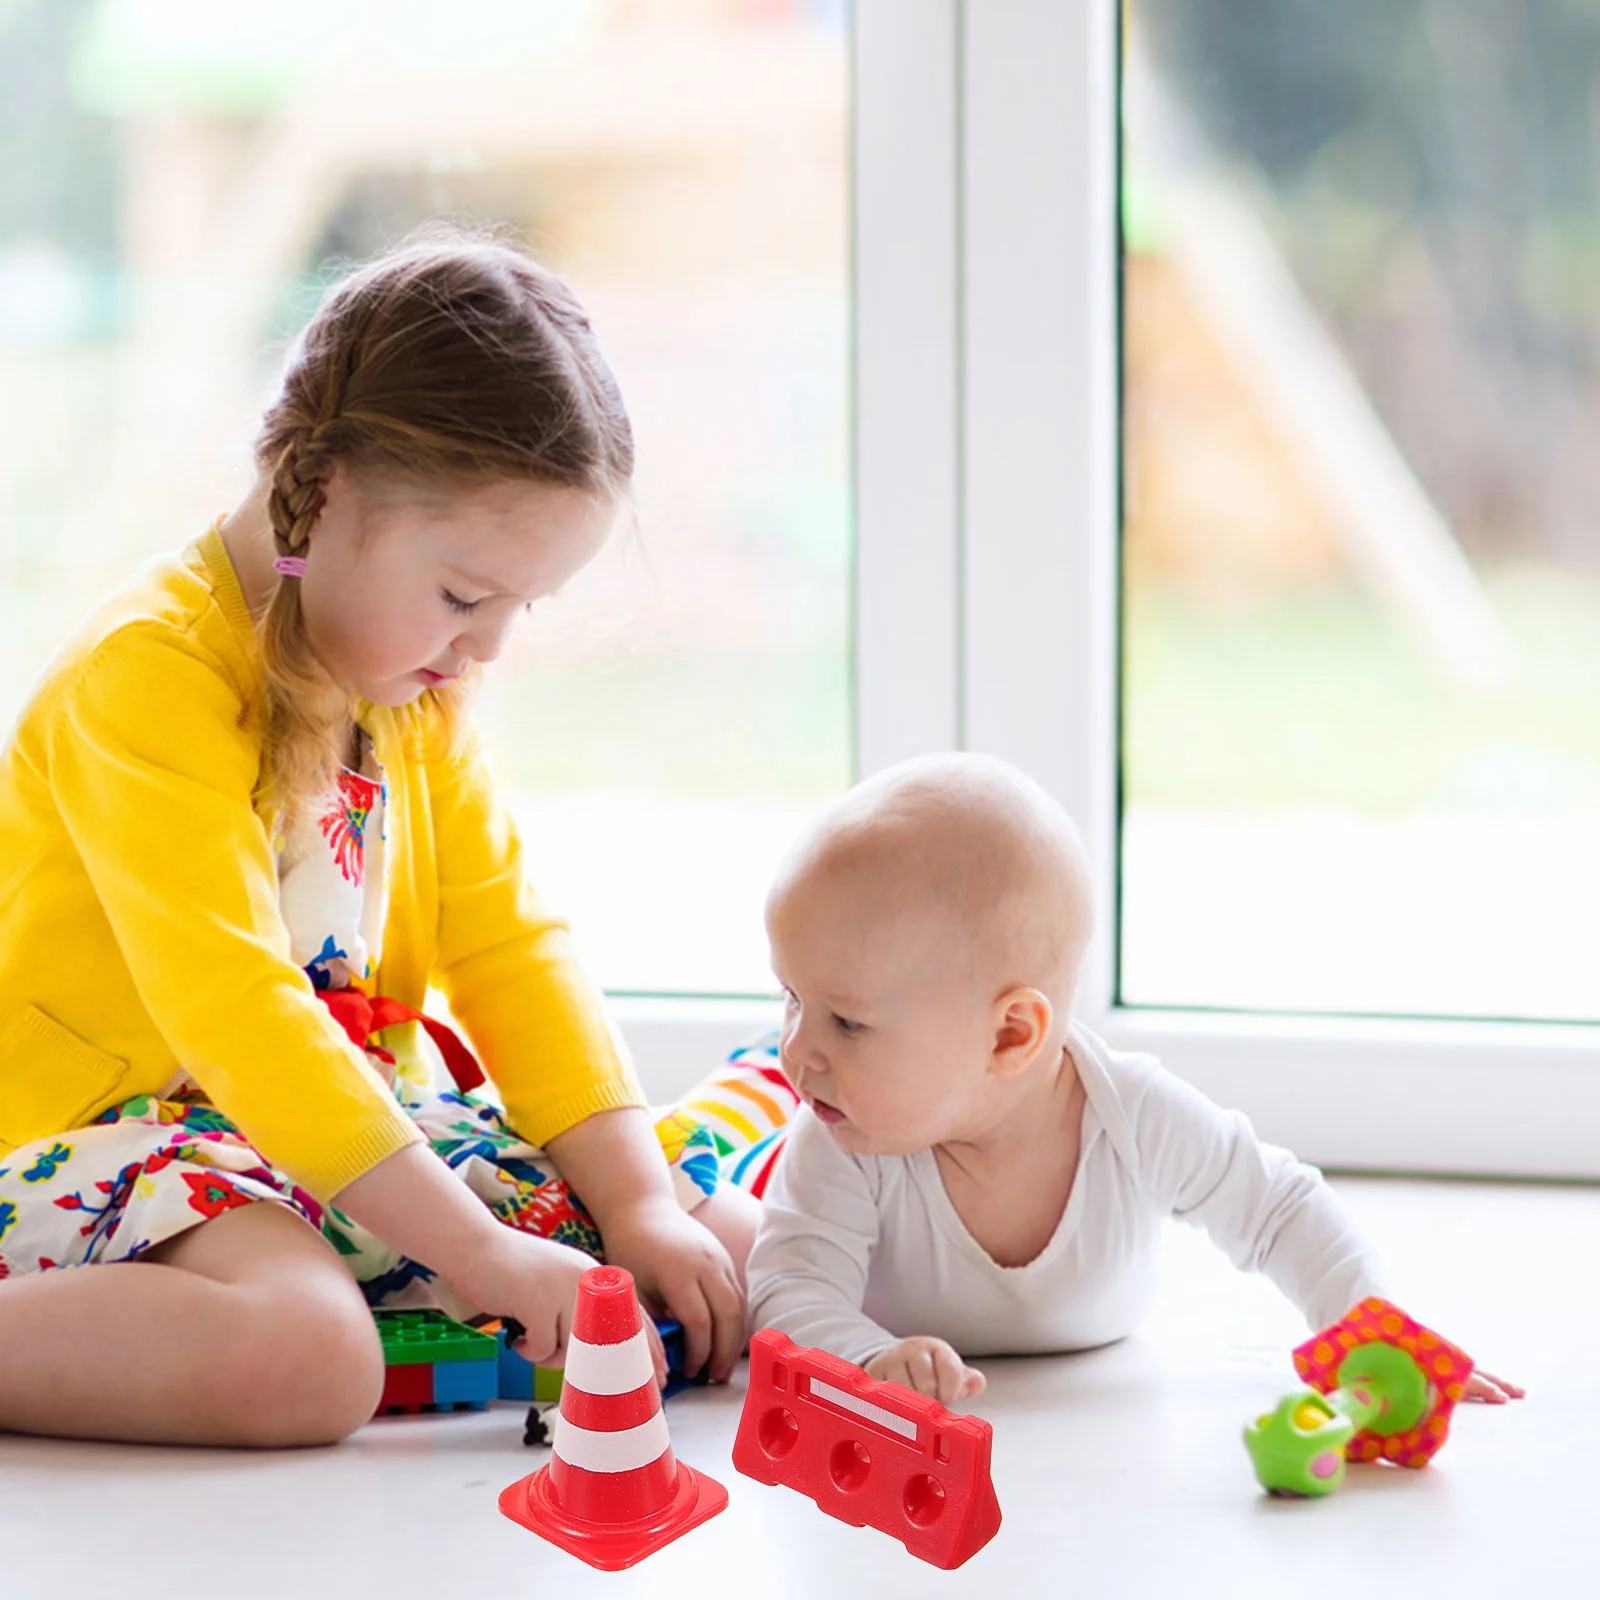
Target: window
point(1361, 702)
point(661, 728)
point(1022, 116)
point(1328, 641)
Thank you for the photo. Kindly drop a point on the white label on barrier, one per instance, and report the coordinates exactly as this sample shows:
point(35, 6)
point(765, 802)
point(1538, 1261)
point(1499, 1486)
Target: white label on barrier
point(610, 1368)
point(624, 1450)
point(864, 1408)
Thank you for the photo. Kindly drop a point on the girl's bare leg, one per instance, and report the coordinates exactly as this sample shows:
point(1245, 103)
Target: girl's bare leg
point(246, 1330)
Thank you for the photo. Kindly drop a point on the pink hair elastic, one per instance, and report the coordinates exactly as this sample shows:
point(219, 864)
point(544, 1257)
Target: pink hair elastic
point(290, 566)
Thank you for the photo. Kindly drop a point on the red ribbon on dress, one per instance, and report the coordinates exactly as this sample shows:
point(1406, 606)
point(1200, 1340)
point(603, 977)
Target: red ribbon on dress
point(362, 1015)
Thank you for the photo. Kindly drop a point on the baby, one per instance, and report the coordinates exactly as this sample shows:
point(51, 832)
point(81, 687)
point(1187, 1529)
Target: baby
point(973, 1172)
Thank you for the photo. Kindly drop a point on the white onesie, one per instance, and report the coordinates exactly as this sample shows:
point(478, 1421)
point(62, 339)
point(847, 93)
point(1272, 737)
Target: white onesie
point(856, 1252)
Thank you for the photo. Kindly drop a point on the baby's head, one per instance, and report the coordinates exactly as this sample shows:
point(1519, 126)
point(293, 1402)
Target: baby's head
point(447, 446)
point(928, 929)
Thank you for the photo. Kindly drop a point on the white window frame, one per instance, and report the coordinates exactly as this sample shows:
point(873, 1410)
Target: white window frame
point(986, 590)
point(906, 457)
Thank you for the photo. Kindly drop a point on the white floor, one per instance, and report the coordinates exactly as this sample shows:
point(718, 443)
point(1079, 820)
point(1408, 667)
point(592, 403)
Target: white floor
point(1120, 1472)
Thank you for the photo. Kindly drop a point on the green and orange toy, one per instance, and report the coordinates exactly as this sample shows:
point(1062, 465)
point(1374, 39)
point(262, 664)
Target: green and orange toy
point(1382, 1385)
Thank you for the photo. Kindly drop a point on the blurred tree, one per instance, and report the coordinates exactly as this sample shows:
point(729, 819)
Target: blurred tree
point(1433, 168)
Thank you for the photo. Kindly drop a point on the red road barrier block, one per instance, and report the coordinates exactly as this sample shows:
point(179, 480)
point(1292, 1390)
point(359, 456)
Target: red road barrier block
point(872, 1454)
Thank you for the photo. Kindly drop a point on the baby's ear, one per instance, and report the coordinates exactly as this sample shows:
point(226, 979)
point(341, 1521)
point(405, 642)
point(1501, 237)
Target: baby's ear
point(1022, 1019)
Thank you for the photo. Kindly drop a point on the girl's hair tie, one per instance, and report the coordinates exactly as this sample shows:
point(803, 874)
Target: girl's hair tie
point(290, 566)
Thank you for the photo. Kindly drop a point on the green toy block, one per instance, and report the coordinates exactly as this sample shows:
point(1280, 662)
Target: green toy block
point(414, 1337)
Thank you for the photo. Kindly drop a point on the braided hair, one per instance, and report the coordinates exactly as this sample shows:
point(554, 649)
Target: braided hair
point(453, 358)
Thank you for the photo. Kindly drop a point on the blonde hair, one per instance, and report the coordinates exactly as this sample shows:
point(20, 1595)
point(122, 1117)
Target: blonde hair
point(454, 359)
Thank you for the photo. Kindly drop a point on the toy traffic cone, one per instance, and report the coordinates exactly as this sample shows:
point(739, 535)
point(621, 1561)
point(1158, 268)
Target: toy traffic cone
point(613, 1492)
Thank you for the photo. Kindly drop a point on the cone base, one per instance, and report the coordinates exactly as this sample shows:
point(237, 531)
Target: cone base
point(611, 1546)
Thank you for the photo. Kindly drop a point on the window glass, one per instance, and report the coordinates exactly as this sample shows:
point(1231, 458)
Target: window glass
point(178, 181)
point(1361, 664)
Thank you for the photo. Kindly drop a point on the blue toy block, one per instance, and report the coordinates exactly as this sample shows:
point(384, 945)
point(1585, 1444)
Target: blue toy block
point(515, 1373)
point(671, 1343)
point(672, 1347)
point(465, 1383)
point(519, 1379)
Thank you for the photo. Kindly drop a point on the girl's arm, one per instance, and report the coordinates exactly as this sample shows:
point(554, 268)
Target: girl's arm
point(539, 1027)
point(412, 1202)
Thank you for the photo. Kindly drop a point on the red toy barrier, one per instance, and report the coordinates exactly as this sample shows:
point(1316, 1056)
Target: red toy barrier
point(872, 1454)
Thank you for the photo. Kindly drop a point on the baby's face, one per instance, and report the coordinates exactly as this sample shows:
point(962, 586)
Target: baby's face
point(882, 1036)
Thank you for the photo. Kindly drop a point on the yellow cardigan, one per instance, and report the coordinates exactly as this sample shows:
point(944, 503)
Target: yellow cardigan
point(140, 935)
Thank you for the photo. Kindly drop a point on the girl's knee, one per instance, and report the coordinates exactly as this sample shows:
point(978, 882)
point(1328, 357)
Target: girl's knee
point(311, 1373)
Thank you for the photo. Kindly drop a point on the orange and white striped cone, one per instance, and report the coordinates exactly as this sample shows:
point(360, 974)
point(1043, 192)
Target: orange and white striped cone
point(612, 1492)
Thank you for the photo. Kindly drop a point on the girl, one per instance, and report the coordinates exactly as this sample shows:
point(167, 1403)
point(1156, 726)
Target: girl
point(242, 828)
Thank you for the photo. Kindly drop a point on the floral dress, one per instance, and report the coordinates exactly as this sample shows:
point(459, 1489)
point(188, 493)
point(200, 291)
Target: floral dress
point(156, 1166)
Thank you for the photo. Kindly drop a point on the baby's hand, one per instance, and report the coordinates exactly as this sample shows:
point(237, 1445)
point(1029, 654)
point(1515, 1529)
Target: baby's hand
point(1495, 1391)
point(930, 1366)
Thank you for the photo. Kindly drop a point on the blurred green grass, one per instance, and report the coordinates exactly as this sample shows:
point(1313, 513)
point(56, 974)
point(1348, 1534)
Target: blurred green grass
point(1318, 699)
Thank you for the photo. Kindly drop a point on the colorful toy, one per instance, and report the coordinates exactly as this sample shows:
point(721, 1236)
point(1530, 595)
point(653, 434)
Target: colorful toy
point(869, 1453)
point(521, 1380)
point(1382, 1386)
point(612, 1492)
point(672, 1347)
point(433, 1363)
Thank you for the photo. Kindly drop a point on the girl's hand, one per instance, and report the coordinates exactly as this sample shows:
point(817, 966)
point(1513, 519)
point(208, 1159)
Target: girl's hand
point(930, 1366)
point(680, 1265)
point(535, 1280)
point(1490, 1389)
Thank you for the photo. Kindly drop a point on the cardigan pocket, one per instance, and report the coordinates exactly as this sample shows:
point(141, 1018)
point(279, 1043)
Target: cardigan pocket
point(50, 1079)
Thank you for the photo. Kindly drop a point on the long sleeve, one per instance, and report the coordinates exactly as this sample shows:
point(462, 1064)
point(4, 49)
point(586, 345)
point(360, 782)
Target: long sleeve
point(1267, 1211)
point(507, 969)
point(159, 809)
point(808, 1268)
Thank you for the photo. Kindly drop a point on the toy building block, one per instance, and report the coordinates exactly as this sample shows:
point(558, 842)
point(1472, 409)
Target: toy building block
point(406, 1388)
point(672, 1347)
point(521, 1380)
point(410, 1337)
point(612, 1492)
point(870, 1453)
point(1382, 1386)
point(465, 1385)
point(433, 1362)
point(513, 1374)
